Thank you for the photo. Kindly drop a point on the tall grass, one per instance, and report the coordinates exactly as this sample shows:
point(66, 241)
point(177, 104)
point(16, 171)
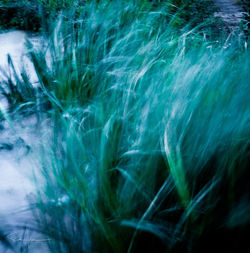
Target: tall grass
point(149, 143)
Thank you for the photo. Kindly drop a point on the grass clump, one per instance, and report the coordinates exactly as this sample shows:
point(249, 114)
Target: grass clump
point(17, 89)
point(151, 155)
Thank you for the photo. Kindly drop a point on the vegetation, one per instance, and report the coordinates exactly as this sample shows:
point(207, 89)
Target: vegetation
point(148, 143)
point(30, 14)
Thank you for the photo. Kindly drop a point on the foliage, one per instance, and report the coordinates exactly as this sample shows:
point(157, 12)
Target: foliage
point(150, 138)
point(30, 14)
point(24, 15)
point(149, 143)
point(17, 89)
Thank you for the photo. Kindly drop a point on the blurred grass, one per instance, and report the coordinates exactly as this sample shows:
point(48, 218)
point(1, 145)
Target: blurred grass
point(35, 15)
point(149, 144)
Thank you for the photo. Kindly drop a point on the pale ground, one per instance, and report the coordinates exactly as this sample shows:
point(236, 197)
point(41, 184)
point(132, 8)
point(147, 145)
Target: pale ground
point(17, 160)
point(230, 12)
